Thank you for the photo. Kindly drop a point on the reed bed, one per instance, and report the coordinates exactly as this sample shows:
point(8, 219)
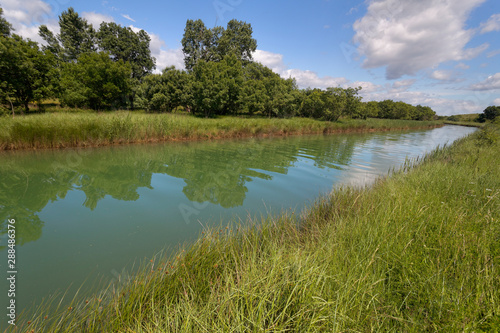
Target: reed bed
point(60, 130)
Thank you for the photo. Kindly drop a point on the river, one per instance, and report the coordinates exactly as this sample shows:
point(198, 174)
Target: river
point(84, 214)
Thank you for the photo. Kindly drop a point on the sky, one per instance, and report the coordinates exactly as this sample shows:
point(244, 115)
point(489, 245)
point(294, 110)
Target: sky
point(441, 53)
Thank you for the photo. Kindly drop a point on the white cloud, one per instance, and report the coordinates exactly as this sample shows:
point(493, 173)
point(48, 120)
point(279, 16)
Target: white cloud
point(493, 53)
point(496, 101)
point(96, 18)
point(26, 16)
point(26, 12)
point(462, 66)
point(445, 76)
point(304, 78)
point(128, 17)
point(408, 36)
point(491, 83)
point(493, 24)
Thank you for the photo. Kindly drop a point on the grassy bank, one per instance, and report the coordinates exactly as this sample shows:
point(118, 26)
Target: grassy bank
point(55, 130)
point(418, 251)
point(464, 123)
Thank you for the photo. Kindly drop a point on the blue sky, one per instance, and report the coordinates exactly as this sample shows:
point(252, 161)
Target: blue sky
point(441, 53)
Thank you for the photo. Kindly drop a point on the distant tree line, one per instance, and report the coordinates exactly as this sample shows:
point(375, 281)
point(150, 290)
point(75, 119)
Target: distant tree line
point(112, 68)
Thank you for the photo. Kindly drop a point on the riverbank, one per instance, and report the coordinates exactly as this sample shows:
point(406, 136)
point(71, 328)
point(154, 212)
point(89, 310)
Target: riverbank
point(417, 251)
point(63, 130)
point(465, 123)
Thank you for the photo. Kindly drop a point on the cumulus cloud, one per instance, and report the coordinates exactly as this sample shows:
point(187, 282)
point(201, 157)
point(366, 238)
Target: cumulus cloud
point(26, 16)
point(493, 24)
point(304, 78)
point(491, 83)
point(496, 101)
point(408, 36)
point(445, 76)
point(96, 18)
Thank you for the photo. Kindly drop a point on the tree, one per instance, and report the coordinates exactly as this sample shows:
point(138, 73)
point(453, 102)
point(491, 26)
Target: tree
point(196, 42)
point(166, 91)
point(335, 103)
point(353, 102)
point(201, 43)
point(96, 81)
point(77, 36)
point(5, 27)
point(237, 39)
point(122, 43)
point(490, 113)
point(25, 71)
point(216, 86)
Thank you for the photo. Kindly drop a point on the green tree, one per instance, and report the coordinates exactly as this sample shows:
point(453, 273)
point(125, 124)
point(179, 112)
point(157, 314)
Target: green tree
point(196, 43)
point(216, 86)
point(122, 43)
point(25, 71)
point(490, 113)
point(335, 103)
point(372, 109)
point(76, 36)
point(237, 39)
point(201, 43)
point(5, 27)
point(353, 101)
point(96, 81)
point(166, 91)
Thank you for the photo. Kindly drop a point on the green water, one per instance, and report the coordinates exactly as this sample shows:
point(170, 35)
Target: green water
point(83, 214)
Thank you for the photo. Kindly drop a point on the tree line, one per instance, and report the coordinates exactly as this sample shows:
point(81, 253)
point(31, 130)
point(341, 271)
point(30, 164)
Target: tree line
point(112, 68)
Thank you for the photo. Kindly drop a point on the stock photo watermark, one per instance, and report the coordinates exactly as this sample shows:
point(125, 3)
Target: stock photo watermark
point(11, 271)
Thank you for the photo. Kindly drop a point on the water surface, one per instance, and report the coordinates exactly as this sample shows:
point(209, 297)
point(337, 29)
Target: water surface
point(87, 213)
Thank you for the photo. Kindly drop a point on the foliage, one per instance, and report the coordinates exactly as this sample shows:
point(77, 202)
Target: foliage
point(201, 43)
point(5, 27)
point(490, 113)
point(166, 91)
point(122, 43)
point(95, 80)
point(25, 71)
point(76, 36)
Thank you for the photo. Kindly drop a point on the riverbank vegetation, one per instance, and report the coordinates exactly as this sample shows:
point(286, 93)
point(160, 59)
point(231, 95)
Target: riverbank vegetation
point(111, 68)
point(417, 251)
point(61, 130)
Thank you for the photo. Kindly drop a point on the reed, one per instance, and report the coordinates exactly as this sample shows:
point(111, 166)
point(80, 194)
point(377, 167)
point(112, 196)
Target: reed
point(64, 129)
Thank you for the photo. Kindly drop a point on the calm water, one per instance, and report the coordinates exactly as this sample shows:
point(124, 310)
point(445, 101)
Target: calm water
point(82, 214)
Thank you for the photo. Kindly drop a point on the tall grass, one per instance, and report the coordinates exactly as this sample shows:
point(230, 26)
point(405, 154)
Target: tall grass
point(58, 130)
point(418, 251)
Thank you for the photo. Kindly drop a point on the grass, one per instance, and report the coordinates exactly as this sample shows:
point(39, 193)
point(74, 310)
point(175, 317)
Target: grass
point(417, 251)
point(59, 130)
